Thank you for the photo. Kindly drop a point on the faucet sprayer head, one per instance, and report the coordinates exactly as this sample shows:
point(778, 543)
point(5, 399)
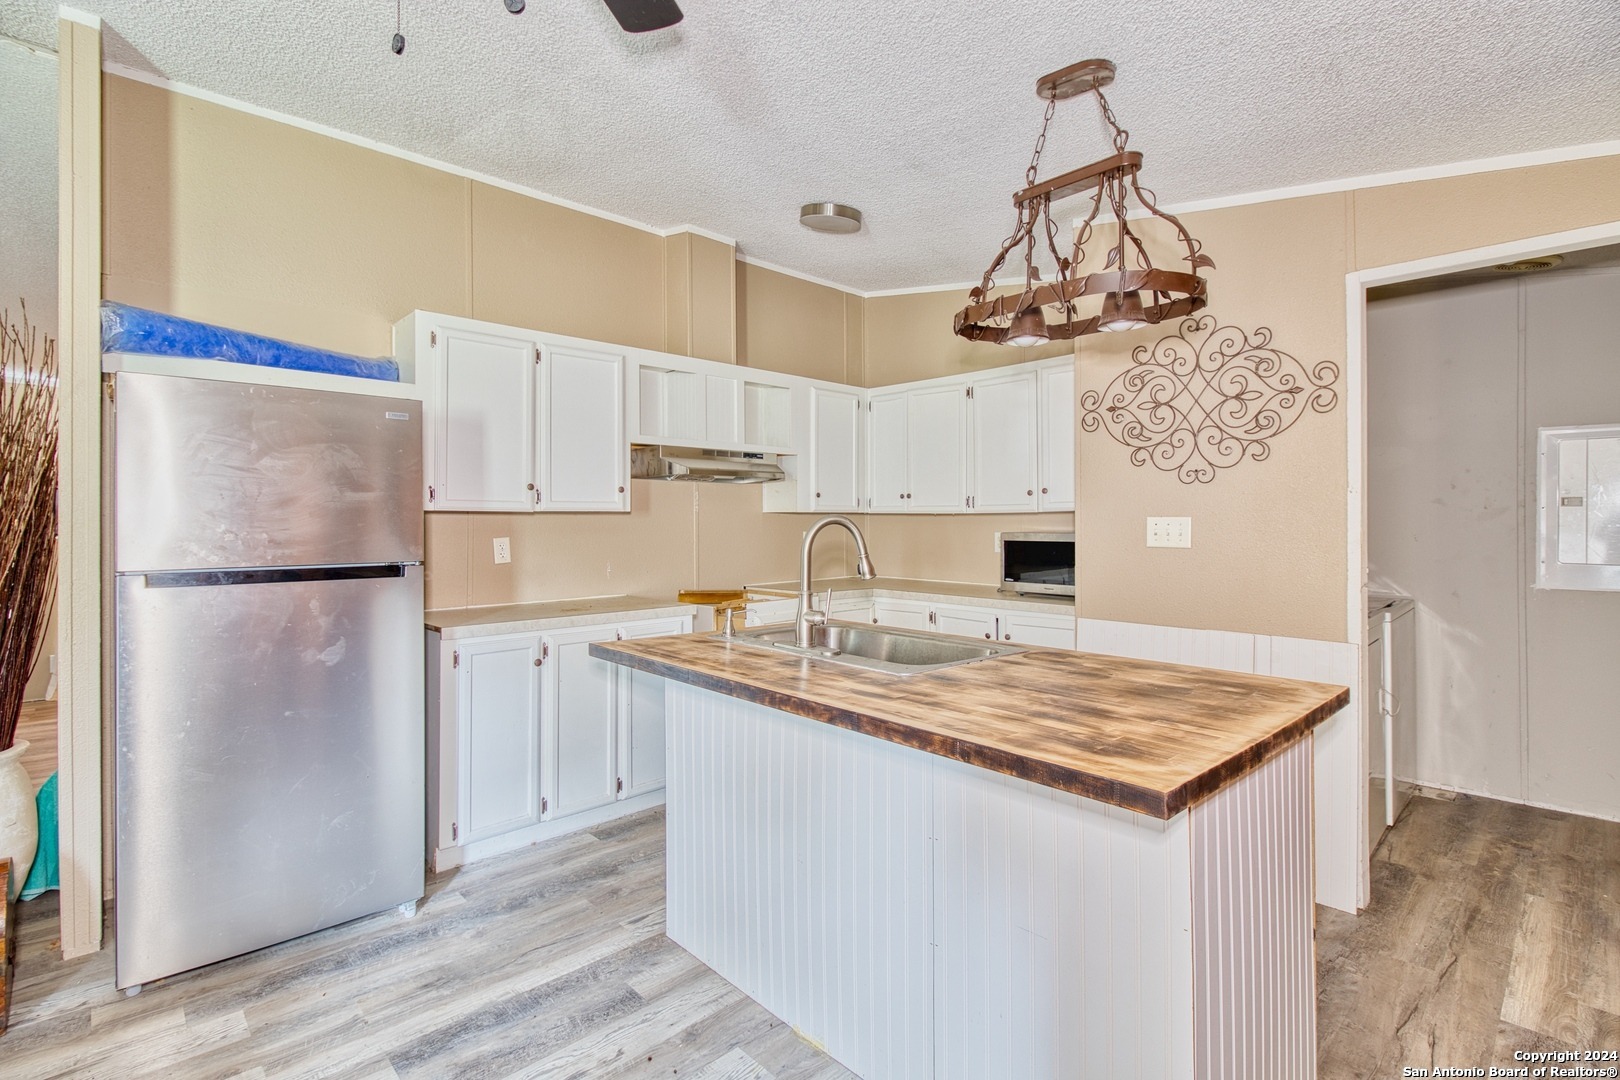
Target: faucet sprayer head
point(863, 567)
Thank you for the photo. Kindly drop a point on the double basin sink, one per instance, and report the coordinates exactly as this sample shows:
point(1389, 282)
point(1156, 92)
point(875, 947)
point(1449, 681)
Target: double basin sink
point(876, 648)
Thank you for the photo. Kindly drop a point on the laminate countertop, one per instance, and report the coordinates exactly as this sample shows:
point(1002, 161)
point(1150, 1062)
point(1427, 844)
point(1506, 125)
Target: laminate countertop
point(1150, 737)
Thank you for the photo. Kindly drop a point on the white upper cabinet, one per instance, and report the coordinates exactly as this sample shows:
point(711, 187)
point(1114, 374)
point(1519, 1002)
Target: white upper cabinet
point(481, 429)
point(936, 448)
point(504, 429)
point(1057, 437)
point(680, 401)
point(887, 451)
point(834, 452)
point(584, 461)
point(1004, 441)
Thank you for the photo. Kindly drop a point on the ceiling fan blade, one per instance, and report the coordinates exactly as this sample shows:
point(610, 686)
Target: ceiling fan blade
point(640, 16)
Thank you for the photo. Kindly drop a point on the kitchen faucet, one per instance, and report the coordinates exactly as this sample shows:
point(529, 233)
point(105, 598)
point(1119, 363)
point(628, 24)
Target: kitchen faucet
point(809, 617)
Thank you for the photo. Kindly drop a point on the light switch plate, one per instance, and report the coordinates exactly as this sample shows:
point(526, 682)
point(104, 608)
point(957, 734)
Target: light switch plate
point(1169, 532)
point(503, 549)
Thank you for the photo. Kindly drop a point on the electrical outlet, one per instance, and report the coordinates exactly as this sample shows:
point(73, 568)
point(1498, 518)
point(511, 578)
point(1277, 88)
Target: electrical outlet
point(1169, 532)
point(998, 543)
point(503, 549)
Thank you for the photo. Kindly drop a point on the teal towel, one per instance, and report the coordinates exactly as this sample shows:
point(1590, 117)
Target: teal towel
point(45, 874)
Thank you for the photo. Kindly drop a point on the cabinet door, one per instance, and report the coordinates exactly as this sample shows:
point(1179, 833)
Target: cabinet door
point(886, 452)
point(484, 426)
point(580, 710)
point(1004, 442)
point(835, 457)
point(768, 612)
point(965, 621)
point(641, 714)
point(936, 449)
point(1024, 628)
point(901, 614)
point(498, 711)
point(584, 452)
point(852, 609)
point(1057, 438)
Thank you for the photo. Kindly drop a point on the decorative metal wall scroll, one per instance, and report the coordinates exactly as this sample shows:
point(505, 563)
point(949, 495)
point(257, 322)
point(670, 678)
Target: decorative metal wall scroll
point(1206, 398)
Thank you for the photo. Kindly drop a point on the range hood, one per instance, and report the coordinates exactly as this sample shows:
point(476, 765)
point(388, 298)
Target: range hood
point(706, 466)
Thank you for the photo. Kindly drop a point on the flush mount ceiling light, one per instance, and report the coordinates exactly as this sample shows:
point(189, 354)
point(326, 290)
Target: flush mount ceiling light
point(830, 217)
point(1042, 311)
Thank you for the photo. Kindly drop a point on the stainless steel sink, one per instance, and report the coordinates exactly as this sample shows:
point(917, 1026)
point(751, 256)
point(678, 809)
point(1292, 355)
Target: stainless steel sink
point(877, 648)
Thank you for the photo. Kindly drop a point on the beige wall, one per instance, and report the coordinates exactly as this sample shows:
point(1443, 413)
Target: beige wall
point(1269, 538)
point(788, 324)
point(912, 336)
point(218, 215)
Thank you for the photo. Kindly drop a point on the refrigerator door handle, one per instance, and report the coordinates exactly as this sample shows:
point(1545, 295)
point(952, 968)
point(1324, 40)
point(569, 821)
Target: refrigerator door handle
point(271, 575)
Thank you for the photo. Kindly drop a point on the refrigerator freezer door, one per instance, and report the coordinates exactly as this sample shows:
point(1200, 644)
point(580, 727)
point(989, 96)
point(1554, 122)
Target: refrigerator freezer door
point(269, 759)
point(213, 474)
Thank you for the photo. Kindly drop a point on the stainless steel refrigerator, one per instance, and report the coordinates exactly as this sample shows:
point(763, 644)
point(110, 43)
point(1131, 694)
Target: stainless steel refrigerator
point(269, 701)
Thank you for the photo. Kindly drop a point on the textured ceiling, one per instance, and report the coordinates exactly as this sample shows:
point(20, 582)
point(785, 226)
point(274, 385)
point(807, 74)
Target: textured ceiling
point(28, 187)
point(920, 113)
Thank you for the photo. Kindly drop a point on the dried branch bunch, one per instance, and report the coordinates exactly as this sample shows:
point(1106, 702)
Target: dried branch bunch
point(27, 506)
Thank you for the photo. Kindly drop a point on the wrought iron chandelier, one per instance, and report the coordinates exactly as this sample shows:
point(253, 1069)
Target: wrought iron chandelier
point(1133, 292)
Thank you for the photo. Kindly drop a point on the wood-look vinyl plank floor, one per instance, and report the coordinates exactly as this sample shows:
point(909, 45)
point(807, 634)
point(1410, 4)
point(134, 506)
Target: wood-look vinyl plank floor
point(550, 962)
point(1494, 928)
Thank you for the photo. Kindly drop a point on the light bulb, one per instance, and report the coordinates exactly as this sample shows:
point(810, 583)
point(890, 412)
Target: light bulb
point(1122, 311)
point(1028, 327)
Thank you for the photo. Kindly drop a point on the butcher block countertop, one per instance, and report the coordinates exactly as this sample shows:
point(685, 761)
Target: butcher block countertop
point(1150, 737)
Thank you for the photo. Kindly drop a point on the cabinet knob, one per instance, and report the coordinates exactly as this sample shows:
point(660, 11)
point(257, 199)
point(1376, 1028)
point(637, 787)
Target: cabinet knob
point(537, 661)
point(987, 636)
point(1043, 491)
point(818, 494)
point(531, 487)
point(1006, 637)
point(621, 489)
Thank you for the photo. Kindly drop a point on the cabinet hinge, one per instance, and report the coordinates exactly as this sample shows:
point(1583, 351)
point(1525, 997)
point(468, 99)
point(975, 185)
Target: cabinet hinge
point(544, 805)
point(931, 619)
point(621, 785)
point(537, 354)
point(537, 496)
point(545, 652)
point(433, 337)
point(433, 496)
point(970, 391)
point(455, 831)
point(110, 385)
point(455, 659)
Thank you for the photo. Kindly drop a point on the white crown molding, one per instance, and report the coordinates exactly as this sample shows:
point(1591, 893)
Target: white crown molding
point(83, 18)
point(1554, 156)
point(698, 230)
point(955, 286)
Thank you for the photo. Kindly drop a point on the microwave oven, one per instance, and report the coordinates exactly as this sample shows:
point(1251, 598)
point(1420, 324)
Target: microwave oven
point(1037, 563)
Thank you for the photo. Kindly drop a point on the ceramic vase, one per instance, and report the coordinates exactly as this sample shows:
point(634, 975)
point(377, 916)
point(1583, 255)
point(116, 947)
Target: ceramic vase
point(19, 815)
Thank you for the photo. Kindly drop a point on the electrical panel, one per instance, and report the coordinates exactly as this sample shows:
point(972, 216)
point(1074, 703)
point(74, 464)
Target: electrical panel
point(1578, 496)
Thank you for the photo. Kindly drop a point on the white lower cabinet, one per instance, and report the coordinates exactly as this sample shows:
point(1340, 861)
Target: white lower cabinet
point(530, 737)
point(901, 614)
point(1028, 628)
point(496, 693)
point(965, 621)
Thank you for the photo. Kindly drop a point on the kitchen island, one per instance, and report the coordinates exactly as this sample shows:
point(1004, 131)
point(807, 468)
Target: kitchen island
point(1045, 864)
